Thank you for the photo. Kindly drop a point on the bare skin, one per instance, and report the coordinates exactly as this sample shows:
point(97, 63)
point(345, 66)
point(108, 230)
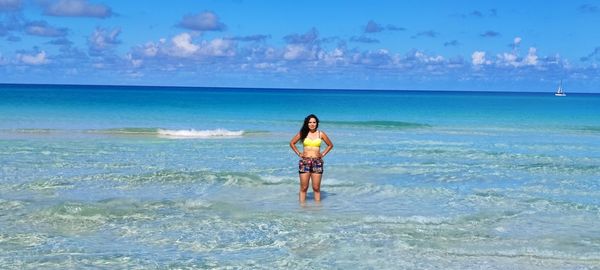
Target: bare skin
point(311, 152)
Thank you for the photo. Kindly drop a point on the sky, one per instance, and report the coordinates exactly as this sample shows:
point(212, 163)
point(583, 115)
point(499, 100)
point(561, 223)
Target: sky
point(526, 46)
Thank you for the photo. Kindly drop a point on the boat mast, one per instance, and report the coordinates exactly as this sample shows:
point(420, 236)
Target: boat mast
point(560, 89)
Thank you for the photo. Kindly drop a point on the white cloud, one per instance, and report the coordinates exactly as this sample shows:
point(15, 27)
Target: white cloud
point(512, 59)
point(133, 61)
point(150, 49)
point(136, 62)
point(36, 59)
point(532, 58)
point(218, 47)
point(298, 52)
point(517, 41)
point(183, 46)
point(293, 52)
point(337, 56)
point(77, 8)
point(271, 53)
point(478, 58)
point(190, 51)
point(428, 59)
point(337, 53)
point(377, 58)
point(102, 39)
point(509, 59)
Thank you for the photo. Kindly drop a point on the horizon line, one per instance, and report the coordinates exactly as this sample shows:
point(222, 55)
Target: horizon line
point(187, 87)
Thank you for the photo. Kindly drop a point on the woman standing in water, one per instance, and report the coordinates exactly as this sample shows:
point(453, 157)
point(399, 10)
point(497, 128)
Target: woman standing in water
point(311, 163)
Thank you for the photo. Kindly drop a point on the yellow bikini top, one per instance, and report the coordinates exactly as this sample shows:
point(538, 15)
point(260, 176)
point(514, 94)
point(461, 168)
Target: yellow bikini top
point(312, 142)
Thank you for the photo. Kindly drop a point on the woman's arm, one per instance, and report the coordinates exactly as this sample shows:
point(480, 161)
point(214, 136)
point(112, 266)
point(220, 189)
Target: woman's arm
point(328, 142)
point(293, 144)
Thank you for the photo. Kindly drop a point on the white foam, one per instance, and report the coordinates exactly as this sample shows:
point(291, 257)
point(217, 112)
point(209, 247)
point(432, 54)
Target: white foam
point(192, 133)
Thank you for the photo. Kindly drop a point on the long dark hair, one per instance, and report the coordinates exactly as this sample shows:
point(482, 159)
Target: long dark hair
point(304, 130)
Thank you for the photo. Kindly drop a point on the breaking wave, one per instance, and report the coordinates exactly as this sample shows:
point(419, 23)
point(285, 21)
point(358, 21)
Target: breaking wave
point(192, 133)
point(172, 133)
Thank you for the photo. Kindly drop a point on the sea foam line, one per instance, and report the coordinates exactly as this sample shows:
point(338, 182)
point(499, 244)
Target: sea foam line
point(192, 133)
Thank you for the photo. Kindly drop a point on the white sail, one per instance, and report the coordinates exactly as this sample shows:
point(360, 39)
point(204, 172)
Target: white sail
point(560, 92)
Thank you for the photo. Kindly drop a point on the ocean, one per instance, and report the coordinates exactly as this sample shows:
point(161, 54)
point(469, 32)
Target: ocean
point(203, 178)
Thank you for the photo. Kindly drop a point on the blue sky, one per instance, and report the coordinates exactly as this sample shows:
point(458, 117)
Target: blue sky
point(407, 45)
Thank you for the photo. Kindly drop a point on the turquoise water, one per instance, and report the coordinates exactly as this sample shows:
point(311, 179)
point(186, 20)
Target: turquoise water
point(180, 178)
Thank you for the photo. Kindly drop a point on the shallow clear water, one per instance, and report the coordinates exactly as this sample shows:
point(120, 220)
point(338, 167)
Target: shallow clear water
point(116, 178)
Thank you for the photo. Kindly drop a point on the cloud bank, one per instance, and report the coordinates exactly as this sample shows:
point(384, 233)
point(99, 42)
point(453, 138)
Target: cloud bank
point(203, 21)
point(77, 8)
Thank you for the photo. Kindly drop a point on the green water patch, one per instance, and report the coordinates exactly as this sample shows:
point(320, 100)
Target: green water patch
point(21, 240)
point(376, 124)
point(9, 206)
point(256, 132)
point(124, 131)
point(76, 217)
point(46, 185)
point(556, 167)
point(174, 177)
point(589, 129)
point(35, 130)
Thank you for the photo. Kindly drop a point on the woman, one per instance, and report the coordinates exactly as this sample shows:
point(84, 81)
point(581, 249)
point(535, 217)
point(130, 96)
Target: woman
point(310, 165)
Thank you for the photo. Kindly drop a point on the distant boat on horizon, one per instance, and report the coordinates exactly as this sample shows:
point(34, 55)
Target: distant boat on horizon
point(560, 92)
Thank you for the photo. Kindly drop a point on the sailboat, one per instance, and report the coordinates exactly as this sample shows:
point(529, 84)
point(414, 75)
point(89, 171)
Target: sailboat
point(560, 92)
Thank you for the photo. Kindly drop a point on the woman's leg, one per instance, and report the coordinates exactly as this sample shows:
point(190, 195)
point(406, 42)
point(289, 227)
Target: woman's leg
point(316, 185)
point(304, 178)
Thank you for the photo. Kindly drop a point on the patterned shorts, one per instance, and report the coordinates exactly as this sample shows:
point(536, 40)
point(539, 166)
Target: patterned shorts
point(311, 165)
